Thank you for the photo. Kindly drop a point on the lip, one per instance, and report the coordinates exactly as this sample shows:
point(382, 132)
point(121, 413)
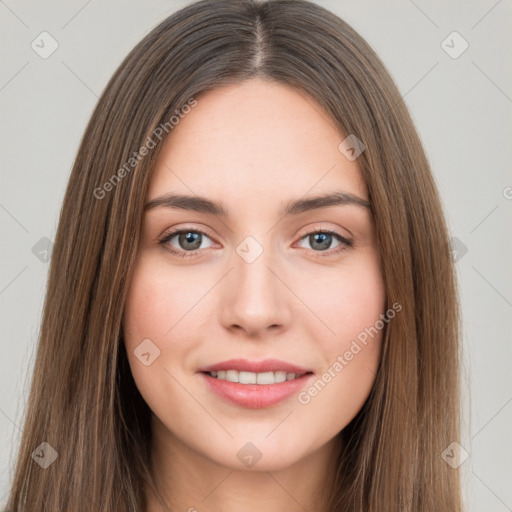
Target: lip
point(255, 396)
point(267, 365)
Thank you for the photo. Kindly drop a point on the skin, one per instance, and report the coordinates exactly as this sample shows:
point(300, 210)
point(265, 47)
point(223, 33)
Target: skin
point(253, 147)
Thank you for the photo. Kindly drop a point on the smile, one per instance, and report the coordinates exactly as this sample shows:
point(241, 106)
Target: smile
point(263, 379)
point(254, 384)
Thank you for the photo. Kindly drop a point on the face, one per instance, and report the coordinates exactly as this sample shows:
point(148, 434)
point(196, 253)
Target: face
point(244, 330)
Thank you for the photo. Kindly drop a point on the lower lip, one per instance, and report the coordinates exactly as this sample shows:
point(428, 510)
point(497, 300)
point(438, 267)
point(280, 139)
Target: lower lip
point(255, 396)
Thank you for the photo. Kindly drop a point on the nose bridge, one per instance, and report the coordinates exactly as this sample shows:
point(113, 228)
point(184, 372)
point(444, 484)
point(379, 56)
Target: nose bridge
point(255, 297)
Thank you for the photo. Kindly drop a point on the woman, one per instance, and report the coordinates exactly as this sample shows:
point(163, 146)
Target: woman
point(302, 353)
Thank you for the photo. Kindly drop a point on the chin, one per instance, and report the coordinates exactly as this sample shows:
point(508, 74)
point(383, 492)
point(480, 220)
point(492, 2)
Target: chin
point(258, 454)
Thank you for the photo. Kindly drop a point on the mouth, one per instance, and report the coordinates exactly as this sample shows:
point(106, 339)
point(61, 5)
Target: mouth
point(255, 384)
point(261, 379)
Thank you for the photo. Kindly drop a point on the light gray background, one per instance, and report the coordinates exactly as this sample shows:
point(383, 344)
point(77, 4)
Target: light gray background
point(462, 109)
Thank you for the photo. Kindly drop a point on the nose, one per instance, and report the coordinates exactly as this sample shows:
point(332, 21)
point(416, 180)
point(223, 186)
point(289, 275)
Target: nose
point(255, 298)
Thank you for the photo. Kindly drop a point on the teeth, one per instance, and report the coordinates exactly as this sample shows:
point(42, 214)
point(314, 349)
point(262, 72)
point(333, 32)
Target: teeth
point(232, 375)
point(280, 376)
point(248, 377)
point(263, 378)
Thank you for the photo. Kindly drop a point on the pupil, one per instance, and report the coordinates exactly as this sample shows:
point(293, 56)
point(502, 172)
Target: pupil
point(190, 238)
point(325, 241)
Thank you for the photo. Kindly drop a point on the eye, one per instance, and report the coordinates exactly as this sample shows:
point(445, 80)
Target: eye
point(321, 241)
point(187, 243)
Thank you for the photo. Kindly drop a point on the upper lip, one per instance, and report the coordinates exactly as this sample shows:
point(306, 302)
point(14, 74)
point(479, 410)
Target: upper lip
point(244, 365)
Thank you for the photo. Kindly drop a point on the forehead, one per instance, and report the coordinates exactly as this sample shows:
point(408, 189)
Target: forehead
point(255, 139)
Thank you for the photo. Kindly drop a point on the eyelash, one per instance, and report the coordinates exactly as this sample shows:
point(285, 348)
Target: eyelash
point(345, 243)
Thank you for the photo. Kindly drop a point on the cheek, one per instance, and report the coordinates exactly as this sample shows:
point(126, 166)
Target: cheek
point(161, 306)
point(347, 301)
point(350, 306)
point(157, 300)
point(147, 316)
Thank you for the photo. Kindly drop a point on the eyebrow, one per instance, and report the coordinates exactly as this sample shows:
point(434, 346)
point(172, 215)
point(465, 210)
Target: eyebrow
point(294, 207)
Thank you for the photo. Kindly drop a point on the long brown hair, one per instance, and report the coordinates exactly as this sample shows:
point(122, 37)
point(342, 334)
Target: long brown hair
point(83, 401)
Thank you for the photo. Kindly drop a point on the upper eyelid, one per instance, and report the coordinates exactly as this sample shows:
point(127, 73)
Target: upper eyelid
point(177, 231)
